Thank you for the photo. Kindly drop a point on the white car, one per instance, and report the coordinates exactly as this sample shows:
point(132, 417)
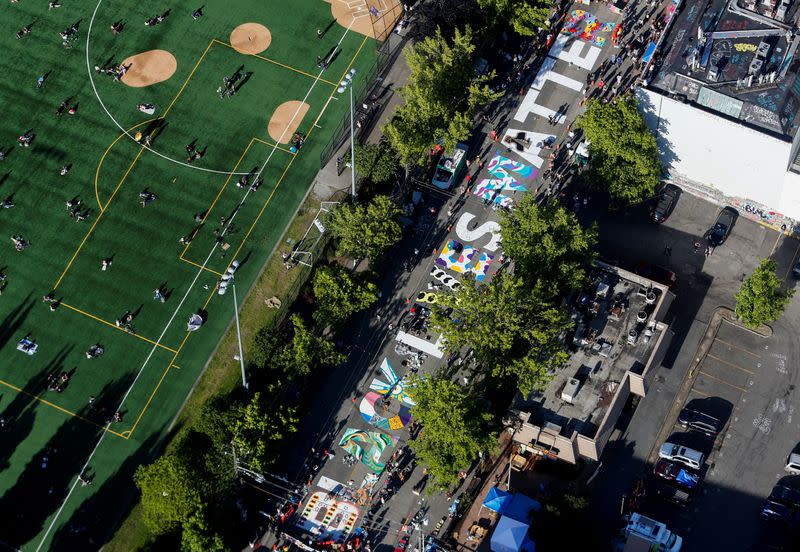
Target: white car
point(684, 455)
point(793, 463)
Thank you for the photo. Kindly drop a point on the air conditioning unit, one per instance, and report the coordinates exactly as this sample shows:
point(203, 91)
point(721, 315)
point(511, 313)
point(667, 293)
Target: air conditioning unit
point(570, 390)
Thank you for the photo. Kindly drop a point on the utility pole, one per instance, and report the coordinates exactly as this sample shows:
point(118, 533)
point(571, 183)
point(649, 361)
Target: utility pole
point(347, 83)
point(239, 338)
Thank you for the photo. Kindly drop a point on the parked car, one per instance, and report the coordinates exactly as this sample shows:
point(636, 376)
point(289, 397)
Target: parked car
point(676, 473)
point(778, 512)
point(657, 273)
point(402, 544)
point(788, 496)
point(793, 463)
point(684, 455)
point(722, 227)
point(699, 421)
point(671, 493)
point(796, 270)
point(666, 202)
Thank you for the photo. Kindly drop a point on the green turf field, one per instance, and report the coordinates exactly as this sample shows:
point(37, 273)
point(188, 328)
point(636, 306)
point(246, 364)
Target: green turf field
point(153, 367)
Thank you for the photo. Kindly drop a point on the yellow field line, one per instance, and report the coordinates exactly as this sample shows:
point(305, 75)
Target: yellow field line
point(127, 434)
point(102, 159)
point(272, 145)
point(97, 219)
point(107, 323)
point(59, 408)
point(222, 189)
point(214, 272)
point(160, 381)
point(289, 67)
point(178, 95)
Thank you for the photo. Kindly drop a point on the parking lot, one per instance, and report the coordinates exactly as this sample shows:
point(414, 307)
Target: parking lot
point(745, 380)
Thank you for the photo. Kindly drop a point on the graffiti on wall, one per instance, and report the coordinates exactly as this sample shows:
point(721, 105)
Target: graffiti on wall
point(760, 213)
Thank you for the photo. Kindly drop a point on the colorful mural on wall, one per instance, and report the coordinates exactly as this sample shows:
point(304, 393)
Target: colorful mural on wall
point(367, 446)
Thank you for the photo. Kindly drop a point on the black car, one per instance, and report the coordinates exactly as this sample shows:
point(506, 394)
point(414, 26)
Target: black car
point(788, 496)
point(722, 227)
point(665, 204)
point(698, 421)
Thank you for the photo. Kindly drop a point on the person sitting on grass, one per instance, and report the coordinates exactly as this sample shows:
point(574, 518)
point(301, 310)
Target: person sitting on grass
point(95, 351)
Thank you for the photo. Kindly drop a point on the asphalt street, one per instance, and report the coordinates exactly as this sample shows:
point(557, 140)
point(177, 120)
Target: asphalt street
point(750, 373)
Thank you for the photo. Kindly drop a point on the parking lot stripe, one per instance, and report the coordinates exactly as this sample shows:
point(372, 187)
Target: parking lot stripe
point(742, 389)
point(749, 352)
point(693, 390)
point(723, 361)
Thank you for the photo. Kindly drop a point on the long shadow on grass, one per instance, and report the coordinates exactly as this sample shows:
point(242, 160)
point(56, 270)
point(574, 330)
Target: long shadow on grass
point(49, 475)
point(14, 320)
point(91, 525)
point(21, 410)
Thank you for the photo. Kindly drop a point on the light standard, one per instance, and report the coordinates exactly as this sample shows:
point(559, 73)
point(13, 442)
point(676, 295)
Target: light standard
point(346, 84)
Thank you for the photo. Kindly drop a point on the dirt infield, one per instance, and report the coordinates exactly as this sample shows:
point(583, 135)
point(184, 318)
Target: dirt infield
point(149, 67)
point(372, 18)
point(285, 120)
point(251, 38)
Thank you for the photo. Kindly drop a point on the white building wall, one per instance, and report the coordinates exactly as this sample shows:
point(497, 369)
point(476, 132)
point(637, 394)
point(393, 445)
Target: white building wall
point(745, 166)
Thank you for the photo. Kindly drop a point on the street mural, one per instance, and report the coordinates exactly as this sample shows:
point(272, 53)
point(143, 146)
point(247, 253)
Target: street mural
point(366, 446)
point(503, 170)
point(387, 419)
point(325, 512)
point(393, 387)
point(456, 256)
point(587, 27)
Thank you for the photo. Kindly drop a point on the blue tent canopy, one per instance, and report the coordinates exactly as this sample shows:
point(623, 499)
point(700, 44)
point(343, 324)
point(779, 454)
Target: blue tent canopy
point(511, 535)
point(497, 500)
point(521, 507)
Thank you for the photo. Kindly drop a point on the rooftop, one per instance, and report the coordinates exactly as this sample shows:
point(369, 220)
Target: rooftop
point(736, 58)
point(615, 331)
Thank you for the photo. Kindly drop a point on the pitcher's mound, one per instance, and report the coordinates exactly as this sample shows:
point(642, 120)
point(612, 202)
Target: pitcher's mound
point(285, 120)
point(251, 38)
point(149, 68)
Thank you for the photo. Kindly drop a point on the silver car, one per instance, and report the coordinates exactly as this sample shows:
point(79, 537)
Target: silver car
point(684, 455)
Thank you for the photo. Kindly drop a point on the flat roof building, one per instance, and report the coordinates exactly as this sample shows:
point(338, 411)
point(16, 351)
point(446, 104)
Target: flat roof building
point(619, 339)
point(723, 97)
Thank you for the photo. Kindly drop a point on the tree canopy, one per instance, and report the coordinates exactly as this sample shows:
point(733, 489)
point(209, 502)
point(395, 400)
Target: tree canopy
point(624, 154)
point(761, 299)
point(513, 330)
point(548, 245)
point(526, 17)
point(258, 426)
point(306, 351)
point(456, 427)
point(171, 493)
point(376, 162)
point(442, 95)
point(339, 294)
point(366, 231)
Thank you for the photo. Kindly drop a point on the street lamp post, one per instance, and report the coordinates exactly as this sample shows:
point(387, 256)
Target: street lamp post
point(239, 337)
point(347, 83)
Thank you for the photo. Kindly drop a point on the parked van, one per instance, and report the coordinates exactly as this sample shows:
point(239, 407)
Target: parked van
point(449, 167)
point(699, 421)
point(684, 455)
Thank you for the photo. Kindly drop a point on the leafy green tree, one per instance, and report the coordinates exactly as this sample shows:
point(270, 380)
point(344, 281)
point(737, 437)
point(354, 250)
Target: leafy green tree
point(624, 154)
point(761, 299)
point(526, 17)
point(548, 245)
point(306, 351)
point(366, 231)
point(339, 294)
point(259, 427)
point(376, 162)
point(561, 515)
point(264, 345)
point(442, 96)
point(513, 330)
point(171, 493)
point(197, 537)
point(456, 427)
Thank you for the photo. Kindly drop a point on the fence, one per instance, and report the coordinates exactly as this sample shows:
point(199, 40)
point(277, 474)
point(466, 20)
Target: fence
point(364, 87)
